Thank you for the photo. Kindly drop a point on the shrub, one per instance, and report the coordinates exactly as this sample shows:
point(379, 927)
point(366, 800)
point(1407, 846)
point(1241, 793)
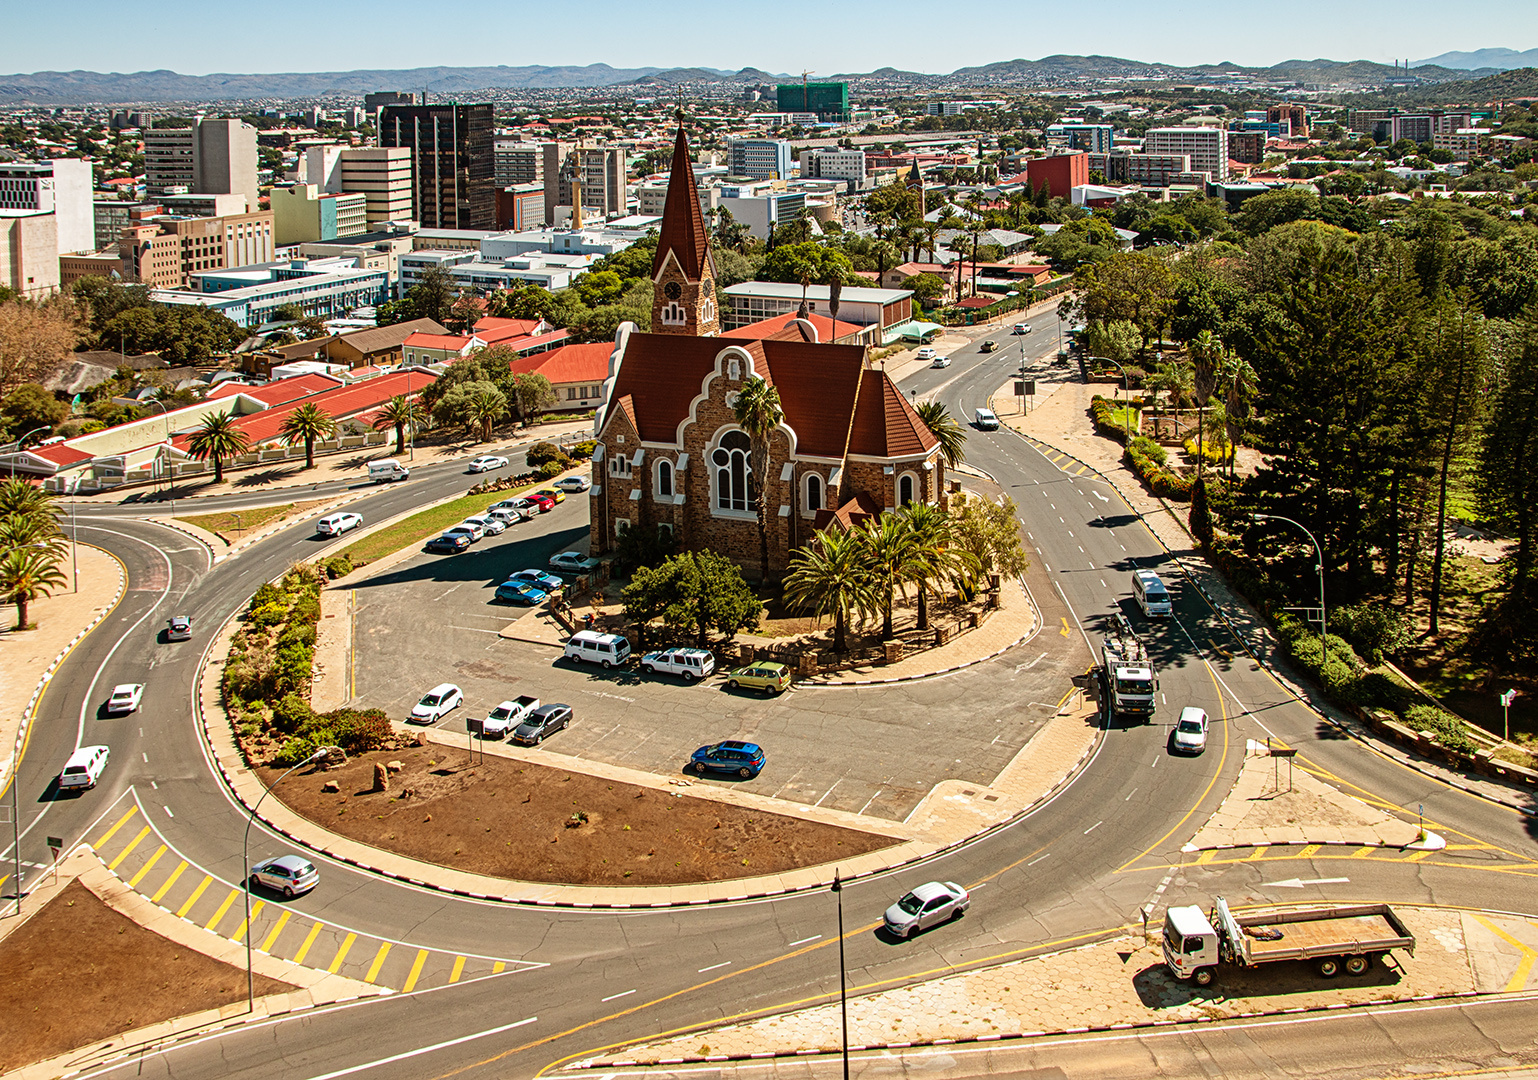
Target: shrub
point(297, 633)
point(358, 731)
point(268, 615)
point(1150, 449)
point(305, 610)
point(543, 452)
point(584, 450)
point(550, 470)
point(1381, 691)
point(293, 668)
point(1160, 481)
point(1201, 516)
point(295, 749)
point(291, 714)
point(266, 594)
point(1447, 728)
point(1374, 629)
point(338, 566)
point(1213, 453)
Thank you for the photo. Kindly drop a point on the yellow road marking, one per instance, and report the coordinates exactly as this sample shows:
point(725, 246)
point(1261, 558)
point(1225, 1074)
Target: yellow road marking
point(1363, 852)
point(127, 851)
point(1309, 849)
point(169, 882)
point(379, 959)
point(3, 880)
point(308, 941)
point(256, 909)
point(1064, 632)
point(228, 900)
point(1418, 856)
point(132, 810)
point(416, 971)
point(133, 882)
point(1524, 966)
point(1258, 853)
point(459, 968)
point(341, 954)
point(1206, 857)
point(181, 912)
point(272, 935)
point(497, 968)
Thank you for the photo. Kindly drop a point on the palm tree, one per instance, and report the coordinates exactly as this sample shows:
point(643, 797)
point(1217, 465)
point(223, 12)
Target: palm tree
point(758, 413)
point(946, 429)
point(1239, 382)
point(484, 408)
point(1206, 356)
point(830, 576)
point(938, 556)
point(306, 424)
point(892, 560)
point(22, 497)
point(218, 438)
point(28, 573)
point(399, 412)
point(34, 530)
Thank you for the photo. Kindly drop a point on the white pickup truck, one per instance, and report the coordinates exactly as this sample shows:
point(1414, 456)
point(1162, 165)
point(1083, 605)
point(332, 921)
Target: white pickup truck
point(507, 716)
point(692, 664)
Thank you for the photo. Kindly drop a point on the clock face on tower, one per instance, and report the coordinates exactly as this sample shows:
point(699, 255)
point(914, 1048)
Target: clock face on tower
point(672, 290)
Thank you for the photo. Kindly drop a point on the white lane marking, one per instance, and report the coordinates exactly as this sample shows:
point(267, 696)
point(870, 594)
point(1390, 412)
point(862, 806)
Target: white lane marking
point(1070, 531)
point(1298, 883)
point(1093, 827)
point(616, 997)
point(712, 967)
point(1081, 549)
point(1045, 566)
point(1155, 764)
point(1122, 546)
point(1162, 700)
point(1099, 496)
point(1034, 861)
point(154, 785)
point(1102, 583)
point(870, 800)
point(167, 809)
point(805, 941)
point(476, 629)
point(423, 1050)
point(1129, 795)
point(146, 757)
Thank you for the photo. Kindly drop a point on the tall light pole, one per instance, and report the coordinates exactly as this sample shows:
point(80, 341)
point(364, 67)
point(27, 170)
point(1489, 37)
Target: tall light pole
point(24, 438)
point(1506, 700)
point(245, 868)
point(1324, 625)
point(1126, 419)
point(843, 989)
point(74, 532)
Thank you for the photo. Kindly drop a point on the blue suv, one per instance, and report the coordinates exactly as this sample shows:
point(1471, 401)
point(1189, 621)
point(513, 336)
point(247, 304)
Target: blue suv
point(745, 759)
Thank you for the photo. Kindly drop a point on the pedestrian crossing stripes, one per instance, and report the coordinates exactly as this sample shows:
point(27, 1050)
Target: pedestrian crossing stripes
point(146, 863)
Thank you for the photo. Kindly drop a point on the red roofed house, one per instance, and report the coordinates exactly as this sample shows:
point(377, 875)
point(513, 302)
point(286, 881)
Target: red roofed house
point(671, 456)
point(576, 372)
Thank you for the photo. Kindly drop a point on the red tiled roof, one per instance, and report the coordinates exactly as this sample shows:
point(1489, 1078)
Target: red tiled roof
point(568, 364)
point(978, 301)
point(683, 226)
point(60, 455)
point(342, 403)
point(856, 511)
point(276, 393)
point(452, 342)
point(662, 373)
point(492, 330)
point(885, 425)
point(766, 328)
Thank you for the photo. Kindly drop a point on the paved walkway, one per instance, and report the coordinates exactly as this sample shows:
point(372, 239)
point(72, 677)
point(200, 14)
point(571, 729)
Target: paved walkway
point(28, 658)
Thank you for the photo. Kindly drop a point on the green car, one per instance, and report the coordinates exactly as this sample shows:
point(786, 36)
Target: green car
point(770, 678)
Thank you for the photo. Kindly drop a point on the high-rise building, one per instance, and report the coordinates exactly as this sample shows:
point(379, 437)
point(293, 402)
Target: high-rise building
point(453, 163)
point(829, 100)
point(1091, 138)
point(61, 187)
point(1059, 174)
point(161, 252)
point(29, 252)
point(834, 164)
point(303, 214)
point(762, 159)
point(1207, 147)
point(1294, 115)
point(600, 170)
point(211, 157)
point(376, 101)
point(520, 163)
point(382, 175)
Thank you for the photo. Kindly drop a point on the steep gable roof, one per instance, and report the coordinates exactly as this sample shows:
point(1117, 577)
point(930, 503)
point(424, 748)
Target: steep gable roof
point(855, 511)
point(683, 225)
point(780, 326)
point(384, 338)
point(662, 373)
point(885, 425)
point(819, 385)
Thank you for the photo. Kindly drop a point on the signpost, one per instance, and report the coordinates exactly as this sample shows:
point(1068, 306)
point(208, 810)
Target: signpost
point(1506, 700)
point(56, 845)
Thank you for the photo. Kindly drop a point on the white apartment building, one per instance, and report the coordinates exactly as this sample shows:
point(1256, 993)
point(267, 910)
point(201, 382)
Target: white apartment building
point(61, 187)
point(848, 165)
point(761, 159)
point(1206, 146)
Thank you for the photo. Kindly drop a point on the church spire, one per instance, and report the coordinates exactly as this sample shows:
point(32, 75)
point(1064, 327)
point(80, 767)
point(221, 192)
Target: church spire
point(683, 271)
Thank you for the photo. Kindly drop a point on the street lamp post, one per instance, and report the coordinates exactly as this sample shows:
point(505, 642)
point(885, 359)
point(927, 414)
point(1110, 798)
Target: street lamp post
point(245, 871)
point(74, 532)
point(1126, 417)
point(843, 990)
point(1506, 700)
point(23, 439)
point(1324, 625)
point(170, 465)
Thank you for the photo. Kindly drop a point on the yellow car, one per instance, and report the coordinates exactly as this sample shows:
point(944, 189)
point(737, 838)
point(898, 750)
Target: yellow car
point(770, 678)
point(553, 494)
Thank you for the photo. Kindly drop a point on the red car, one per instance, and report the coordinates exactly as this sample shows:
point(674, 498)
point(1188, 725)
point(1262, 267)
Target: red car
point(544, 502)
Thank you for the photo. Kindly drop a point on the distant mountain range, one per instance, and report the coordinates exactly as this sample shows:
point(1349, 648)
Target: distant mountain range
point(1499, 59)
point(150, 87)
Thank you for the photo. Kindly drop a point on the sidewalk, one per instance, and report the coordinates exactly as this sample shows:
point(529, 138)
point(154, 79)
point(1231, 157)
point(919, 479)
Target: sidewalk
point(29, 658)
point(1061, 422)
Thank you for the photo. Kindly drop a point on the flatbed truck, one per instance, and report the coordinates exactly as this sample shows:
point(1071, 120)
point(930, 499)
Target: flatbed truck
point(1127, 676)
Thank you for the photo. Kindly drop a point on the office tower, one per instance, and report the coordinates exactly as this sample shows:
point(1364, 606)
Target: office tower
point(453, 161)
point(61, 187)
point(212, 157)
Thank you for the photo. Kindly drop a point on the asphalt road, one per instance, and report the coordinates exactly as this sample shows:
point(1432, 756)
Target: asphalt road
point(1086, 862)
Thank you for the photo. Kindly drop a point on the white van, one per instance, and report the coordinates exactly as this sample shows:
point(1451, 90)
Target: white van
point(387, 471)
point(986, 420)
point(1151, 594)
point(608, 650)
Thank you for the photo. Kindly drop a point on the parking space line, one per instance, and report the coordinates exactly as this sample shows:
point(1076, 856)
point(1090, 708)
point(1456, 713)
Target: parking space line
point(147, 867)
point(416, 971)
point(132, 810)
point(181, 912)
point(304, 950)
point(181, 866)
point(256, 909)
point(341, 954)
point(379, 959)
point(127, 851)
point(272, 935)
point(457, 970)
point(228, 900)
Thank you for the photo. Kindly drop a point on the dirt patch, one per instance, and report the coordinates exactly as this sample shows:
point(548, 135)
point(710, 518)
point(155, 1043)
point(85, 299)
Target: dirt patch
point(78, 972)
point(512, 819)
point(234, 526)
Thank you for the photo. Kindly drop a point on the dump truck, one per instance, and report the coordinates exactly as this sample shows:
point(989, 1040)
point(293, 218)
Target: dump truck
point(1128, 680)
point(1334, 937)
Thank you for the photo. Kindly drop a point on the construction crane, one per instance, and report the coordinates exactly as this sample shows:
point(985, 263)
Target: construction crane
point(806, 101)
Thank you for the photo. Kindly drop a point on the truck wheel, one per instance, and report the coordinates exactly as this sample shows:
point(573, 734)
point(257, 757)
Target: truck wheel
point(606, 665)
point(1328, 967)
point(690, 676)
point(1358, 965)
point(1205, 976)
point(648, 669)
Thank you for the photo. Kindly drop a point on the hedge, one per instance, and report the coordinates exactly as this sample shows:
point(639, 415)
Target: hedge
point(1160, 481)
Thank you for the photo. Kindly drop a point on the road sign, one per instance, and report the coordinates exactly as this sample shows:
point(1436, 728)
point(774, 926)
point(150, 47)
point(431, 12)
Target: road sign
point(57, 843)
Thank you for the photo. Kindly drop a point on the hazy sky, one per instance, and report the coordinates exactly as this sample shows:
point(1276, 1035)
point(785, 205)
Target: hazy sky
point(776, 35)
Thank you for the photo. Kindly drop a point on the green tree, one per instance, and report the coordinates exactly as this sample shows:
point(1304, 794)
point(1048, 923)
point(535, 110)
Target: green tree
point(1137, 286)
point(1507, 486)
point(891, 560)
point(29, 407)
point(758, 412)
point(22, 497)
point(696, 591)
point(990, 532)
point(927, 287)
point(486, 406)
point(400, 413)
point(28, 573)
point(306, 424)
point(1115, 340)
point(534, 393)
point(830, 577)
point(1201, 514)
point(946, 429)
point(938, 557)
point(218, 438)
point(433, 295)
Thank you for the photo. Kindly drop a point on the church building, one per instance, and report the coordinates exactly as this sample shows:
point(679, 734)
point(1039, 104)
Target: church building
point(671, 456)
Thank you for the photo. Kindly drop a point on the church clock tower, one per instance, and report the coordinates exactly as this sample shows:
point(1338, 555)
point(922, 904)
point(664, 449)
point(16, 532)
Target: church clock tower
point(683, 270)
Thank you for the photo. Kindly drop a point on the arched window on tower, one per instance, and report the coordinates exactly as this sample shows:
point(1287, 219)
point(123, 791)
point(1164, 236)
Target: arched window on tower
point(664, 479)
point(907, 489)
point(673, 314)
point(732, 474)
point(813, 492)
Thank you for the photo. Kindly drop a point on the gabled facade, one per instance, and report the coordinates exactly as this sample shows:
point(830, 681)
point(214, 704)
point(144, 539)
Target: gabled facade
point(683, 270)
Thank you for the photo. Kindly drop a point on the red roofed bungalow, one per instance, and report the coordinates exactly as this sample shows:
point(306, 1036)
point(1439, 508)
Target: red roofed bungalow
point(576, 373)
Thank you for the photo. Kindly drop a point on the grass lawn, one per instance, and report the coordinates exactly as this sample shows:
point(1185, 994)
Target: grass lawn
point(243, 520)
point(429, 522)
point(1126, 419)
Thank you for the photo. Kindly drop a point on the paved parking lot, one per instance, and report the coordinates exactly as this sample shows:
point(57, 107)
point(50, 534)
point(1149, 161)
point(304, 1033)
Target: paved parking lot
point(875, 750)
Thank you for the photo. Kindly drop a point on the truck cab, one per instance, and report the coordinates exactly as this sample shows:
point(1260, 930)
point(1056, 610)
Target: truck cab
point(1190, 944)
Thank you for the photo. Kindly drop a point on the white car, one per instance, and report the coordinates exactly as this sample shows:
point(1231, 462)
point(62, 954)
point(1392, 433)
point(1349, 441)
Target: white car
point(124, 699)
point(986, 420)
point(1191, 731)
point(83, 768)
point(927, 353)
point(1021, 328)
point(287, 874)
point(574, 485)
point(928, 905)
point(506, 515)
point(487, 463)
point(523, 504)
point(490, 525)
point(573, 562)
point(437, 703)
point(941, 362)
point(471, 529)
point(337, 524)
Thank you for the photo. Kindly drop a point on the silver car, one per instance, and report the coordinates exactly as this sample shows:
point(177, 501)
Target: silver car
point(287, 874)
point(928, 905)
point(1191, 731)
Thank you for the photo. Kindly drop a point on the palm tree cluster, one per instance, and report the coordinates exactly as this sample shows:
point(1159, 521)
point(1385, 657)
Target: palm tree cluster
point(31, 546)
point(857, 574)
